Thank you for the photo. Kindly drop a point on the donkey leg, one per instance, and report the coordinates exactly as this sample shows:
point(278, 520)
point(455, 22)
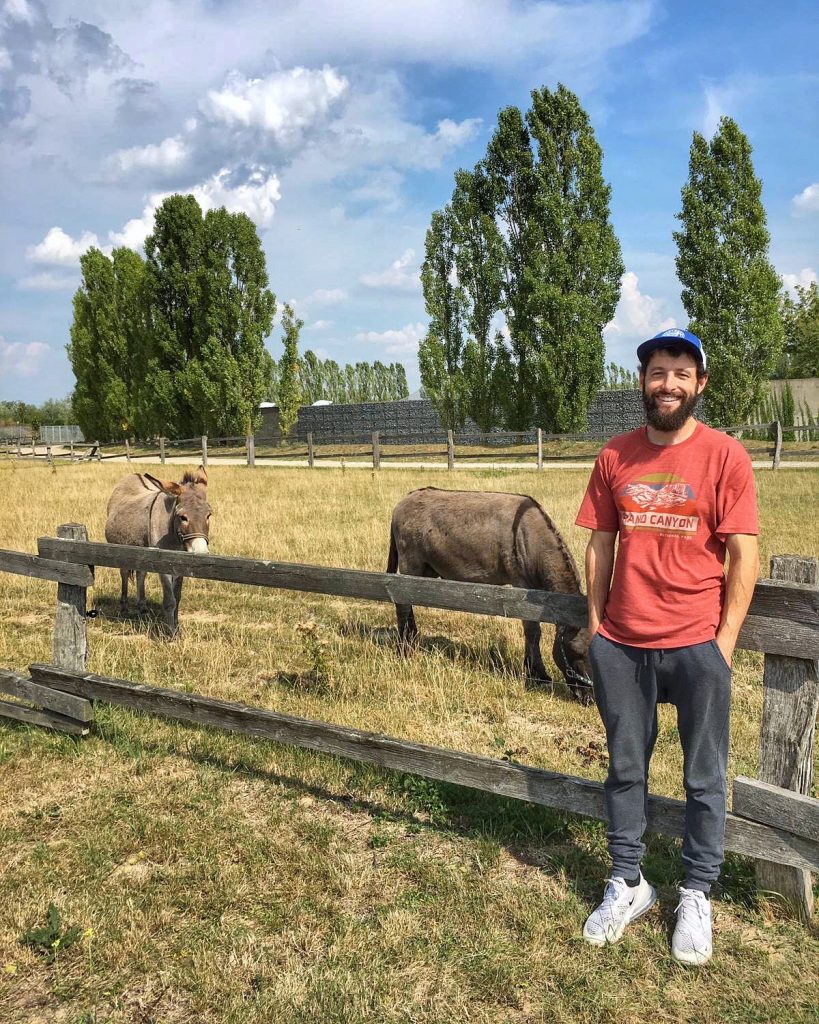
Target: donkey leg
point(142, 604)
point(407, 628)
point(169, 602)
point(123, 594)
point(533, 666)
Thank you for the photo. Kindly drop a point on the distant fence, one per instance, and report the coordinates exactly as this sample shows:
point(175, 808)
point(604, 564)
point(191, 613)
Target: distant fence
point(773, 820)
point(531, 448)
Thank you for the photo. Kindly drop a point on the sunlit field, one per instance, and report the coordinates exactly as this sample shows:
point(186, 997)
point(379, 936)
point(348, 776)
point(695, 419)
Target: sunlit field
point(218, 879)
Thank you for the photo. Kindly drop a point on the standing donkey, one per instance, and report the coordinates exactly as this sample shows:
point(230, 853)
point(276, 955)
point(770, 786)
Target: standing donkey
point(154, 513)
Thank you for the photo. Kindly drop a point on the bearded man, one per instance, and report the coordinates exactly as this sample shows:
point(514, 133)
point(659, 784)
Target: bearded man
point(672, 498)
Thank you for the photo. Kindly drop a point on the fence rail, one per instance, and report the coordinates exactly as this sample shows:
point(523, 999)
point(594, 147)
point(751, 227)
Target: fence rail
point(780, 832)
point(517, 449)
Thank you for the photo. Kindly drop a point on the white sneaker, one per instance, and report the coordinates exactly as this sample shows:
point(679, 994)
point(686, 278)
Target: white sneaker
point(691, 941)
point(621, 905)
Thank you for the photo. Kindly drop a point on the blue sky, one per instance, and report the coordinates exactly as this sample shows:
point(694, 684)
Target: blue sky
point(338, 127)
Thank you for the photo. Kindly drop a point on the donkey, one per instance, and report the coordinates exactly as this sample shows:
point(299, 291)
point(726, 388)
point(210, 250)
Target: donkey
point(490, 537)
point(156, 513)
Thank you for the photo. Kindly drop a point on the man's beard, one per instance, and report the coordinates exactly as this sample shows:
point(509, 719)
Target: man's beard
point(668, 422)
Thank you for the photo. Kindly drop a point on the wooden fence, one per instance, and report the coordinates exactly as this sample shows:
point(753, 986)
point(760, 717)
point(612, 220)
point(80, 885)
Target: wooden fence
point(774, 819)
point(516, 449)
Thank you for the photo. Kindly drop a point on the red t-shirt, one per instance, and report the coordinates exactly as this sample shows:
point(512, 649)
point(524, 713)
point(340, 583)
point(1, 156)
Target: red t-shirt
point(673, 506)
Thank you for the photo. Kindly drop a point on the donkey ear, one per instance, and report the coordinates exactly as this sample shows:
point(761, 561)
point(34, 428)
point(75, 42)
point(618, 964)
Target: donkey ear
point(168, 486)
point(198, 476)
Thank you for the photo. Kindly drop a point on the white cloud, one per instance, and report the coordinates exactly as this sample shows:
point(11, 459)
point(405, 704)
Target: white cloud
point(327, 296)
point(637, 315)
point(807, 201)
point(23, 359)
point(167, 155)
point(805, 278)
point(402, 342)
point(285, 104)
point(60, 249)
point(321, 325)
point(402, 275)
point(257, 197)
point(47, 282)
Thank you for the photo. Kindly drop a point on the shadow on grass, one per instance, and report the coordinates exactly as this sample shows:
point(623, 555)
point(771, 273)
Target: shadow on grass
point(132, 622)
point(557, 843)
point(495, 658)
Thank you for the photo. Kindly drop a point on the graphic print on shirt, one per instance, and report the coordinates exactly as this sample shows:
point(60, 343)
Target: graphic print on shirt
point(661, 503)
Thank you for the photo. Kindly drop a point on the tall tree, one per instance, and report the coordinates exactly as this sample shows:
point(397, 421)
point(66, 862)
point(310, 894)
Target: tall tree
point(730, 290)
point(479, 256)
point(290, 388)
point(800, 317)
point(576, 264)
point(440, 354)
point(106, 334)
point(206, 367)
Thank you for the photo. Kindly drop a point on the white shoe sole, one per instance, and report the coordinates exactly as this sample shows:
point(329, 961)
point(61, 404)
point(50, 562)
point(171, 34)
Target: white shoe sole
point(601, 940)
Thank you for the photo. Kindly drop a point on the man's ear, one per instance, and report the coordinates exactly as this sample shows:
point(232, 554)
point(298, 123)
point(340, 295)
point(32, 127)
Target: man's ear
point(701, 382)
point(167, 486)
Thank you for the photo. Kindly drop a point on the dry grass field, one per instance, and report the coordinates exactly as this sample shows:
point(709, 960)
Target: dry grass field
point(218, 880)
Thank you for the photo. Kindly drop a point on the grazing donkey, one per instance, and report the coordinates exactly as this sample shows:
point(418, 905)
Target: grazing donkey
point(490, 537)
point(156, 513)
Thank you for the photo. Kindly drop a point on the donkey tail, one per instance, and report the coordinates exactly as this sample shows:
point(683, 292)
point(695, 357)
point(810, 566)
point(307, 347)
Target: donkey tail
point(392, 561)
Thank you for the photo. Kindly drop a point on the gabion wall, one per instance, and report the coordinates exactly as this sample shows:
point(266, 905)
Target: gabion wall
point(611, 412)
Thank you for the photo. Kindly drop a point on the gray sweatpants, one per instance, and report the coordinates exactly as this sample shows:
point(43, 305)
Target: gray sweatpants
point(629, 682)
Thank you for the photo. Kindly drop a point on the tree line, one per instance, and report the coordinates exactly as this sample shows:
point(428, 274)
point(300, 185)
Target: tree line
point(173, 343)
point(522, 272)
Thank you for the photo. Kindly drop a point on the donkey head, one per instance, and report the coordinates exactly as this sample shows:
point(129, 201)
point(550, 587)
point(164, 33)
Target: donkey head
point(191, 511)
point(570, 653)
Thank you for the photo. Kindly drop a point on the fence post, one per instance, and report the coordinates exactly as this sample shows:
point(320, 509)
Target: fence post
point(162, 450)
point(376, 451)
point(49, 456)
point(70, 643)
point(450, 450)
point(128, 450)
point(205, 450)
point(790, 704)
point(310, 453)
point(71, 444)
point(33, 448)
point(250, 444)
point(19, 449)
point(539, 448)
point(99, 451)
point(778, 446)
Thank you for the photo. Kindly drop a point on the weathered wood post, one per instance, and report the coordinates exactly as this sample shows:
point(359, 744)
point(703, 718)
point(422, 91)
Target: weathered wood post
point(539, 448)
point(19, 449)
point(162, 450)
point(33, 448)
point(205, 450)
point(128, 450)
point(71, 447)
point(99, 451)
point(70, 644)
point(49, 456)
point(250, 445)
point(790, 704)
point(450, 450)
point(376, 451)
point(310, 452)
point(777, 445)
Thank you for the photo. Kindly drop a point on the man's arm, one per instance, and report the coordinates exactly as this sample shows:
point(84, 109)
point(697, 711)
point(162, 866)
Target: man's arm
point(743, 571)
point(599, 566)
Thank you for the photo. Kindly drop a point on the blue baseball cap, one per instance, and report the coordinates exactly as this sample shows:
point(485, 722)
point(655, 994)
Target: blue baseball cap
point(672, 336)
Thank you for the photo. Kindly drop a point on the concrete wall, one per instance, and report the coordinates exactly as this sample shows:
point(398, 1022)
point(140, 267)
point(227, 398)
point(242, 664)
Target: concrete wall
point(805, 391)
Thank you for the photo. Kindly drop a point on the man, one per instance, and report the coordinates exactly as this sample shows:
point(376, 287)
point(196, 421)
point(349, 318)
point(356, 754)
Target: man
point(678, 495)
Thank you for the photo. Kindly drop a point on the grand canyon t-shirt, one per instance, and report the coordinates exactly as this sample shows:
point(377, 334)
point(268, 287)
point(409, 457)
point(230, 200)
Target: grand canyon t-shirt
point(673, 506)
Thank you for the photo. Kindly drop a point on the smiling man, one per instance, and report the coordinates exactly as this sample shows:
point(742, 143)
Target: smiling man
point(671, 498)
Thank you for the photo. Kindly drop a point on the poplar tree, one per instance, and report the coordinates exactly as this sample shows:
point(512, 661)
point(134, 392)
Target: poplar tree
point(440, 353)
point(730, 290)
point(290, 388)
point(479, 256)
point(106, 331)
